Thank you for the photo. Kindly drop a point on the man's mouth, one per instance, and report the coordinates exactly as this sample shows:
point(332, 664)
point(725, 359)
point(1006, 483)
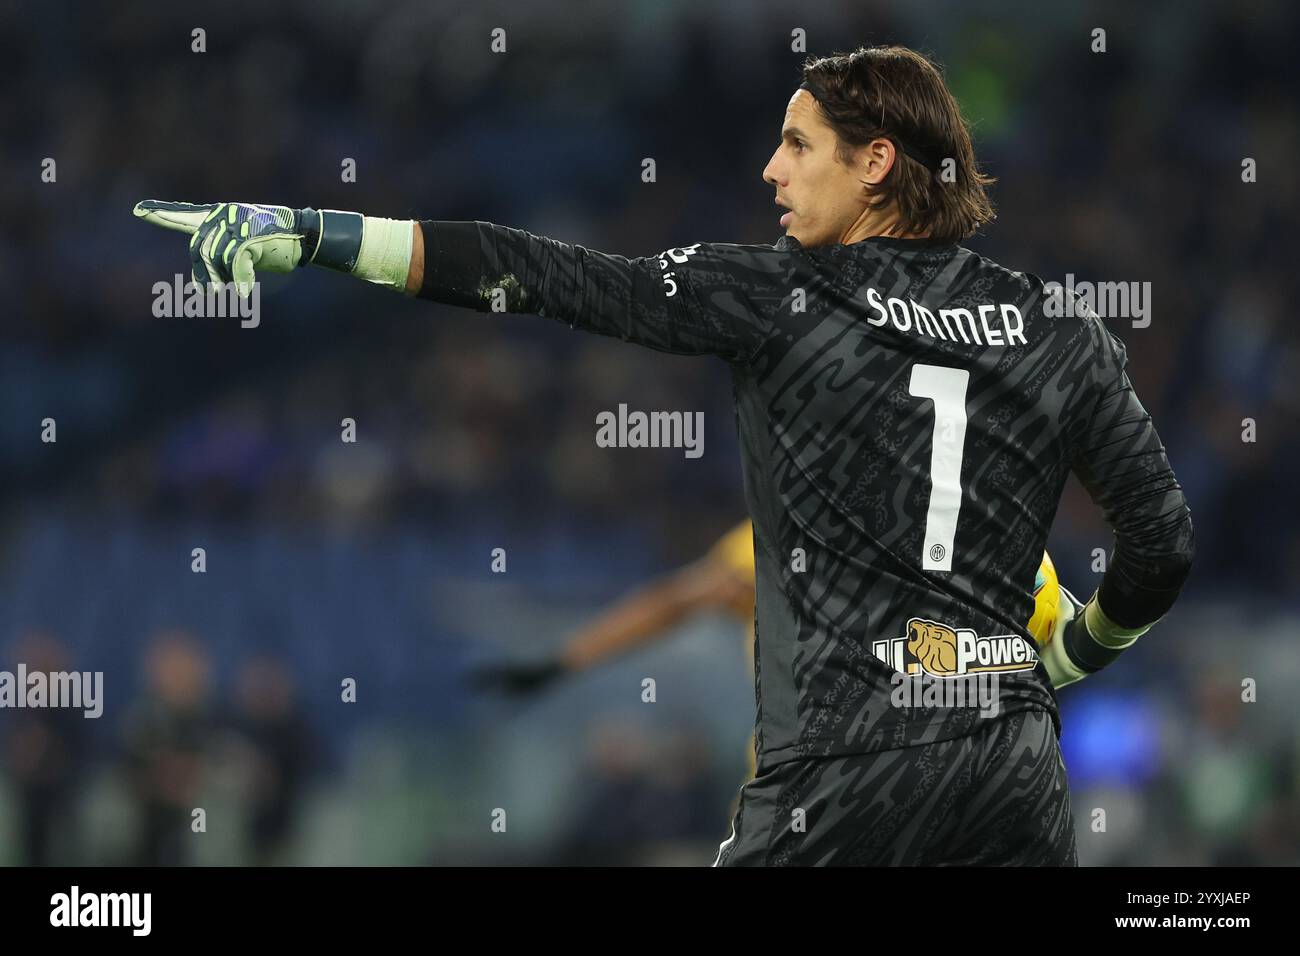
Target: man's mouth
point(785, 219)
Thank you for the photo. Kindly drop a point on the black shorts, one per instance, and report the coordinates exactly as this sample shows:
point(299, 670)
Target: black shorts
point(998, 797)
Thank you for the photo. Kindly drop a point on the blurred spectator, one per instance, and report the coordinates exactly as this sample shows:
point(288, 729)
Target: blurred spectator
point(166, 740)
point(279, 751)
point(44, 750)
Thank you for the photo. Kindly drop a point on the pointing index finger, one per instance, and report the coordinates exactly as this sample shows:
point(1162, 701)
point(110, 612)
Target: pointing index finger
point(181, 216)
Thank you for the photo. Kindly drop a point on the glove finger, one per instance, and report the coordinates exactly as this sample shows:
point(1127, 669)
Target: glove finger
point(198, 269)
point(181, 216)
point(201, 244)
point(225, 246)
point(241, 268)
point(208, 250)
point(204, 266)
point(225, 241)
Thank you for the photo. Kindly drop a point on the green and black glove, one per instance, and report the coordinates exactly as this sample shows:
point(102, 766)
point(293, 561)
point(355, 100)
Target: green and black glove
point(1084, 640)
point(233, 241)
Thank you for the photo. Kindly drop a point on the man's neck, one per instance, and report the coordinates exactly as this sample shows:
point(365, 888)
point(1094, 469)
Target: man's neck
point(874, 222)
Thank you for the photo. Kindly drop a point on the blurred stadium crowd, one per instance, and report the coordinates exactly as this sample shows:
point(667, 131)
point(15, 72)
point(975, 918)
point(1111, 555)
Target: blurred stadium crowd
point(371, 560)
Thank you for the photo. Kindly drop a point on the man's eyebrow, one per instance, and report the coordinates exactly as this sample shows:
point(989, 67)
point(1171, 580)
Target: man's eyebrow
point(794, 131)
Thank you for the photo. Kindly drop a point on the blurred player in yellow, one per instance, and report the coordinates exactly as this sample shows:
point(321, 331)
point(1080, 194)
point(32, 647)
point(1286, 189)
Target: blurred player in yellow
point(720, 580)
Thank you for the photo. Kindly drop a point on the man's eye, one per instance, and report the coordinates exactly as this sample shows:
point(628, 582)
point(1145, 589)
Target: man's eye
point(800, 145)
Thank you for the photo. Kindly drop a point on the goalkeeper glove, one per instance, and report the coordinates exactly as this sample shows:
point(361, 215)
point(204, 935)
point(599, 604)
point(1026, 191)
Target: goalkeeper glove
point(1083, 640)
point(231, 241)
point(518, 680)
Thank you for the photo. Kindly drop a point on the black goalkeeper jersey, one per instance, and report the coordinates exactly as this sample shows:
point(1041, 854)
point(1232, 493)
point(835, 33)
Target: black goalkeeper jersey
point(908, 415)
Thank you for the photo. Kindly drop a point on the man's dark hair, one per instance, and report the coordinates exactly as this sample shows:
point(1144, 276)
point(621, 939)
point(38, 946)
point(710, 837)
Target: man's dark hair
point(898, 94)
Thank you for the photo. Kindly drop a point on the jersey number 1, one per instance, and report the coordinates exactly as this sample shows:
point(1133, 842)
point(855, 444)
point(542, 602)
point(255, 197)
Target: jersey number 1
point(946, 387)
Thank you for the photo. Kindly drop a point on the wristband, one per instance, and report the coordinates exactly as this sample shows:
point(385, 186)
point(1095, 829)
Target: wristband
point(1105, 631)
point(368, 247)
point(331, 238)
point(385, 255)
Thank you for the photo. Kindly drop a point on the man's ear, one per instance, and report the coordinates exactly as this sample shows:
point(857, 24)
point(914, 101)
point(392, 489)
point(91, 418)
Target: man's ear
point(876, 159)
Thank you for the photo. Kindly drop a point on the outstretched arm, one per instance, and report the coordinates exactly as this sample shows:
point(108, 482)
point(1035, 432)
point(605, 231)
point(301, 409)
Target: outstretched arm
point(702, 299)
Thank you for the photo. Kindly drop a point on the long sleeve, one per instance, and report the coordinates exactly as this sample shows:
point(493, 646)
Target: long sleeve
point(1121, 461)
point(702, 299)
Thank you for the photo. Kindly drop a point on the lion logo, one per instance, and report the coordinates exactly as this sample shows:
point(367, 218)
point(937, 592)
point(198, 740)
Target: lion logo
point(934, 645)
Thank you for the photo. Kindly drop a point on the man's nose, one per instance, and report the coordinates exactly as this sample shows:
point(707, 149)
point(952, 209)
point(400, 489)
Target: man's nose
point(770, 172)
